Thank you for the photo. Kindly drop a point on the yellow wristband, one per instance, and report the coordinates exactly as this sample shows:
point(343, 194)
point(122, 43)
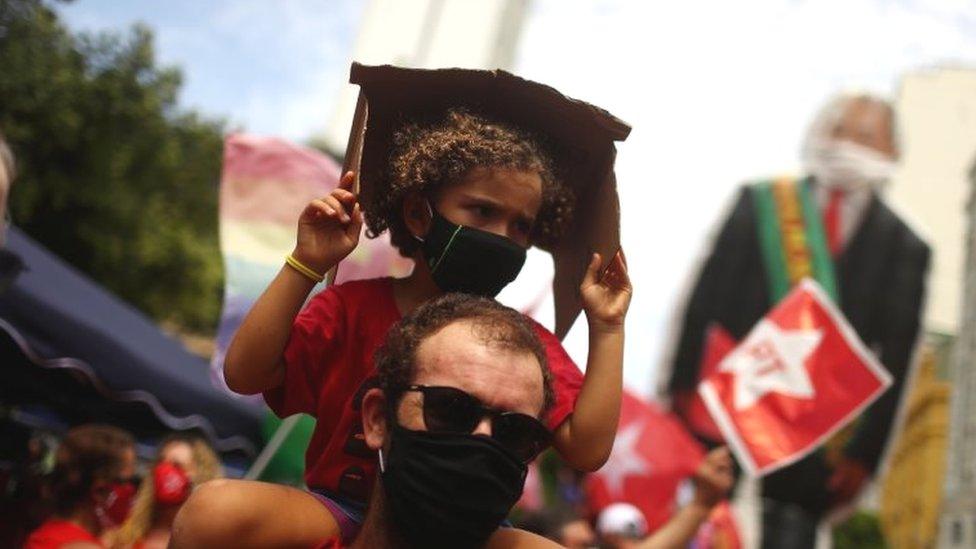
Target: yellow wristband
point(303, 269)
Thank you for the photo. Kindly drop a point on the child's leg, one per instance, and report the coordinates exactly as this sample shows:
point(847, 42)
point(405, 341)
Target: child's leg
point(513, 538)
point(242, 513)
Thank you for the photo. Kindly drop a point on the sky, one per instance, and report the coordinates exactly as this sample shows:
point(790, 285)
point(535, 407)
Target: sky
point(717, 92)
point(270, 67)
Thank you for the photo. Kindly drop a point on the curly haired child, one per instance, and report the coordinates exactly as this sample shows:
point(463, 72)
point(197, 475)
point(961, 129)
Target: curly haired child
point(464, 196)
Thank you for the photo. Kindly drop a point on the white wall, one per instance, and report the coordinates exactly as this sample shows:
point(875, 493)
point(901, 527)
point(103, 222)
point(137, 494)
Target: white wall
point(474, 34)
point(717, 92)
point(937, 111)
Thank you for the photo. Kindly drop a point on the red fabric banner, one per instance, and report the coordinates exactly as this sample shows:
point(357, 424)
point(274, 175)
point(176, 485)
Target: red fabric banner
point(651, 456)
point(799, 376)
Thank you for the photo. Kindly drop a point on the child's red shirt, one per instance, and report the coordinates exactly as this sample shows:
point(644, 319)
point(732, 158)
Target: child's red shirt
point(329, 365)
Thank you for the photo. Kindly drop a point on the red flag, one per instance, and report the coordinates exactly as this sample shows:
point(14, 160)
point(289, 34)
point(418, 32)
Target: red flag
point(718, 344)
point(651, 455)
point(799, 376)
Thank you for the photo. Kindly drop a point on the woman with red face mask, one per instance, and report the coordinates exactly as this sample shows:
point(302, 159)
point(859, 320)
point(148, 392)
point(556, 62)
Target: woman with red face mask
point(91, 488)
point(182, 462)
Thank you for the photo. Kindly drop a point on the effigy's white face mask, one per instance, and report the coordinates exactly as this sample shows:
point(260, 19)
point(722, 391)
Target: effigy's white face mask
point(843, 164)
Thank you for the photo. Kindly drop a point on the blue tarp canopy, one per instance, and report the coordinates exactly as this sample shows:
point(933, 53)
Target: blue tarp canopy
point(74, 351)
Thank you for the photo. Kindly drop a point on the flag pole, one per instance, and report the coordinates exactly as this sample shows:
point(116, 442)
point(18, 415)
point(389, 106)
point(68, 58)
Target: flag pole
point(271, 448)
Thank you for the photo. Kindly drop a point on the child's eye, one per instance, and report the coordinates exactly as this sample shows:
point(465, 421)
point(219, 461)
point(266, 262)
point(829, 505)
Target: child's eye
point(483, 211)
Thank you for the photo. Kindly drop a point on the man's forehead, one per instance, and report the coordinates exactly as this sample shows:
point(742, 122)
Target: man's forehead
point(459, 333)
point(460, 342)
point(460, 355)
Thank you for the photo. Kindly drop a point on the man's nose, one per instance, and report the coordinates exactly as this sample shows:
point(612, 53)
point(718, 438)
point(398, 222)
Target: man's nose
point(484, 427)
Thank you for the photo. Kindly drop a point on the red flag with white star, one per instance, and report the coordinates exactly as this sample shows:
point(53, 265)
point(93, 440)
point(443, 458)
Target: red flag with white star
point(651, 456)
point(800, 375)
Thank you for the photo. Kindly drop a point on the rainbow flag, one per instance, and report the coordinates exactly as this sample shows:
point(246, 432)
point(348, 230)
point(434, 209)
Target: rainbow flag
point(265, 185)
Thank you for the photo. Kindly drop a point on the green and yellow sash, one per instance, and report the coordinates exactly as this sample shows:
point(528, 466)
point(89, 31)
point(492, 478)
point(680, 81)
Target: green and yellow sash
point(791, 237)
point(794, 247)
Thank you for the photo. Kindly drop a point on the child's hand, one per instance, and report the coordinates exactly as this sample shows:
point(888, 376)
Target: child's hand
point(329, 227)
point(606, 298)
point(714, 478)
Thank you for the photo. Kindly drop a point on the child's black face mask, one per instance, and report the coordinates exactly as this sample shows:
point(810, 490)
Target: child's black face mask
point(468, 260)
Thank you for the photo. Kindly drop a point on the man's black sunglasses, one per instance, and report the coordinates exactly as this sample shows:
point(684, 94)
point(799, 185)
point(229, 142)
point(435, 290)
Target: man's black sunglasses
point(451, 410)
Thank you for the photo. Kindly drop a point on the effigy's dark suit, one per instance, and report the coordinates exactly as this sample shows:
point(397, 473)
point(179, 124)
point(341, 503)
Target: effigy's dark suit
point(881, 281)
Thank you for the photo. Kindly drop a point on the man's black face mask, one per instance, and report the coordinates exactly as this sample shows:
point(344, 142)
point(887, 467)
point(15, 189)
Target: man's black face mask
point(448, 490)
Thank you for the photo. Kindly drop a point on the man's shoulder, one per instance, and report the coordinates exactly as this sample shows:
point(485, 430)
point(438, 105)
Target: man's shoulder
point(740, 212)
point(910, 240)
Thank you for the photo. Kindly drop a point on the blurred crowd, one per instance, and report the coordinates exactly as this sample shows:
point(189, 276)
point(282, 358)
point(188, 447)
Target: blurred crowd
point(623, 526)
point(88, 489)
point(467, 437)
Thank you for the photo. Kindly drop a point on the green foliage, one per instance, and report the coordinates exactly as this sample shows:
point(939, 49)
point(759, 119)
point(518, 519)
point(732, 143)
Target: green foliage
point(114, 178)
point(861, 531)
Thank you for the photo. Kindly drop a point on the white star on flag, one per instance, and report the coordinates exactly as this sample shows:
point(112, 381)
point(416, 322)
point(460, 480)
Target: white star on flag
point(771, 359)
point(624, 459)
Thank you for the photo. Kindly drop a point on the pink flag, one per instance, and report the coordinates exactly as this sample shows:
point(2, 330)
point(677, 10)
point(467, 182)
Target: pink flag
point(799, 376)
point(265, 185)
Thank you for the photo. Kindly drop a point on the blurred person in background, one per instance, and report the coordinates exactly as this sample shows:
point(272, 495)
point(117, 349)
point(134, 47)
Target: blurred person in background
point(26, 460)
point(10, 264)
point(91, 488)
point(577, 534)
point(8, 171)
point(878, 266)
point(623, 526)
point(561, 526)
point(182, 462)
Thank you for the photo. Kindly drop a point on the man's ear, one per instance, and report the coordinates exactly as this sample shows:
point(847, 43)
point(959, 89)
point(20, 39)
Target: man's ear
point(374, 418)
point(417, 214)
